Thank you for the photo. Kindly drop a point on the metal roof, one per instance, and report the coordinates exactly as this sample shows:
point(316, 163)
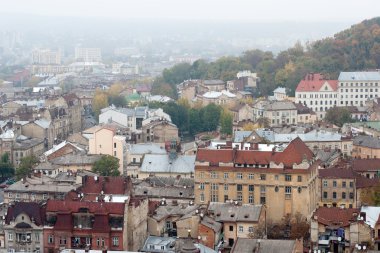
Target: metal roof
point(359, 76)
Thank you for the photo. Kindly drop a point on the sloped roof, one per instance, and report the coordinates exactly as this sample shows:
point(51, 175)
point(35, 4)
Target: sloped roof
point(163, 164)
point(65, 206)
point(33, 210)
point(109, 185)
point(362, 165)
point(333, 216)
point(359, 76)
point(247, 245)
point(314, 82)
point(367, 141)
point(227, 212)
point(337, 173)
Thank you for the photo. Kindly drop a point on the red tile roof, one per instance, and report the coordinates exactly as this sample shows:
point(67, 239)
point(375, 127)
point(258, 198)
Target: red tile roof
point(335, 216)
point(364, 182)
point(294, 153)
point(64, 222)
point(337, 173)
point(64, 206)
point(109, 185)
point(33, 210)
point(362, 165)
point(314, 82)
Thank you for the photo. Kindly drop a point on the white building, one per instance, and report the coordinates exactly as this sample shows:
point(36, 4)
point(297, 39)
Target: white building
point(88, 54)
point(317, 93)
point(355, 88)
point(251, 78)
point(46, 57)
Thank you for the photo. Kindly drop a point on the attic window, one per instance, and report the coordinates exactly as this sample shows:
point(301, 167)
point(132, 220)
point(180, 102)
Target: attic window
point(145, 192)
point(232, 215)
point(180, 193)
point(246, 216)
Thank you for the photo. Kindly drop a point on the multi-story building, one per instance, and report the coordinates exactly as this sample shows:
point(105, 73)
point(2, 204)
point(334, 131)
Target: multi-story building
point(88, 54)
point(159, 131)
point(337, 188)
point(105, 141)
point(23, 227)
point(366, 147)
point(356, 88)
point(283, 180)
point(281, 112)
point(369, 168)
point(46, 57)
point(317, 93)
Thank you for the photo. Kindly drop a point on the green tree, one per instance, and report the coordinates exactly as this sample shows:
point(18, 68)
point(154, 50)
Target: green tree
point(26, 166)
point(195, 122)
point(226, 119)
point(107, 166)
point(118, 100)
point(6, 167)
point(338, 116)
point(210, 116)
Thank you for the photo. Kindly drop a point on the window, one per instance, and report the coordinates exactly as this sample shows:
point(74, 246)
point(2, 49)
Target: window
point(288, 190)
point(250, 199)
point(251, 188)
point(325, 195)
point(44, 196)
point(239, 196)
point(344, 184)
point(226, 187)
point(62, 240)
point(275, 177)
point(114, 145)
point(334, 184)
point(231, 228)
point(213, 174)
point(10, 195)
point(262, 176)
point(324, 183)
point(239, 187)
point(50, 239)
point(351, 184)
point(114, 153)
point(351, 195)
point(334, 195)
point(288, 178)
point(201, 174)
point(250, 229)
point(299, 178)
point(262, 189)
point(202, 197)
point(239, 175)
point(225, 175)
point(37, 237)
point(115, 241)
point(343, 195)
point(250, 176)
point(241, 229)
point(202, 186)
point(10, 236)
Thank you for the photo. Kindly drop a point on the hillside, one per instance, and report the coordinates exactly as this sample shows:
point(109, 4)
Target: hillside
point(354, 49)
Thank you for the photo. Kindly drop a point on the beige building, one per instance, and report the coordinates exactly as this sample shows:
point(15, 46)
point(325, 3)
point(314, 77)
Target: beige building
point(280, 113)
point(242, 112)
point(366, 147)
point(282, 180)
point(159, 131)
point(239, 220)
point(23, 228)
point(104, 141)
point(223, 98)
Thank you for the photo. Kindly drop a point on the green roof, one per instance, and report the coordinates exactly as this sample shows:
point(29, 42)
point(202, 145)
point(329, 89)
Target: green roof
point(370, 124)
point(133, 97)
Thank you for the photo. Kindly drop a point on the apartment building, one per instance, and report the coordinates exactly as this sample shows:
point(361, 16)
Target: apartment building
point(46, 57)
point(282, 180)
point(281, 112)
point(317, 93)
point(85, 54)
point(355, 88)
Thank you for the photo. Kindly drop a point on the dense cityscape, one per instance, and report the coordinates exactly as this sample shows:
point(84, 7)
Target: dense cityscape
point(192, 137)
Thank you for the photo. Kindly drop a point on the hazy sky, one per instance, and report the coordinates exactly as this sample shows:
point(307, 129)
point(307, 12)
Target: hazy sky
point(247, 10)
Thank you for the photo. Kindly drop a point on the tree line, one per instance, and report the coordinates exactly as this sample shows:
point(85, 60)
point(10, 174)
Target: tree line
point(357, 48)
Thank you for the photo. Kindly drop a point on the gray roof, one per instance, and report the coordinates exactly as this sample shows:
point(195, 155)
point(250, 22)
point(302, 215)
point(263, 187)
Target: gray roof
point(312, 136)
point(366, 141)
point(213, 82)
point(168, 192)
point(233, 213)
point(239, 136)
point(359, 76)
point(163, 164)
point(146, 148)
point(245, 245)
point(163, 212)
point(280, 105)
point(211, 223)
point(28, 143)
point(43, 123)
point(158, 241)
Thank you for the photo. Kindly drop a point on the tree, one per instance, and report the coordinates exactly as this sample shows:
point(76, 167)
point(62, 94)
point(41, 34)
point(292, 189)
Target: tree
point(371, 196)
point(338, 116)
point(263, 122)
point(6, 167)
point(99, 102)
point(107, 166)
point(118, 100)
point(226, 119)
point(26, 166)
point(210, 117)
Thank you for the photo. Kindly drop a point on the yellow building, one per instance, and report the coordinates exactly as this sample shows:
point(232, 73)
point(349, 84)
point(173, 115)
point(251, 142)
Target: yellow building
point(285, 181)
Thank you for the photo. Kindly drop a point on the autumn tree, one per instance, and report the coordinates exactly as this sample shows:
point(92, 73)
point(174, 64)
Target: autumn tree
point(107, 166)
point(338, 116)
point(99, 102)
point(263, 122)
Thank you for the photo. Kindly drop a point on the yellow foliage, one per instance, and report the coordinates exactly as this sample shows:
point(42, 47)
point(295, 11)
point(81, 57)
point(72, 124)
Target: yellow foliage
point(250, 126)
point(184, 102)
point(115, 89)
point(248, 101)
point(99, 101)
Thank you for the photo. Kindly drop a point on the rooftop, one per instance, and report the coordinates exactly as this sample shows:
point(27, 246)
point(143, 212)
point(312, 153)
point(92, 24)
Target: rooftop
point(359, 76)
point(367, 141)
point(246, 245)
point(335, 216)
point(153, 163)
point(314, 82)
point(230, 212)
point(362, 165)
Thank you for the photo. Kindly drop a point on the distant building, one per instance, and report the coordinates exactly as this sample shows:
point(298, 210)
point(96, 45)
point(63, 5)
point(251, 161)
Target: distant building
point(46, 57)
point(355, 88)
point(366, 147)
point(88, 54)
point(317, 93)
point(281, 112)
point(245, 245)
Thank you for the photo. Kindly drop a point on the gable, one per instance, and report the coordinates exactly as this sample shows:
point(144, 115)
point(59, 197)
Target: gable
point(326, 87)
